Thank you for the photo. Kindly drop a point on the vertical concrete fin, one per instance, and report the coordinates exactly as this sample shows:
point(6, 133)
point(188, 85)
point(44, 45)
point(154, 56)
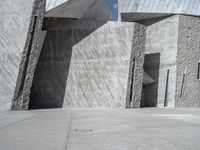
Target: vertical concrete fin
point(29, 58)
point(135, 79)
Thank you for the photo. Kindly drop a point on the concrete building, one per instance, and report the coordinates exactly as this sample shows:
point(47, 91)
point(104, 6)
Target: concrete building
point(76, 56)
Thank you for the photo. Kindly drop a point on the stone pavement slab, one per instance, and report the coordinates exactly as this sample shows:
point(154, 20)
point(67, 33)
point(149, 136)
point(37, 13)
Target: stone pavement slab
point(88, 129)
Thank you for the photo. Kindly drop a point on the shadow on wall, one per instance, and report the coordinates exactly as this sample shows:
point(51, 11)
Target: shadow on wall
point(51, 74)
point(150, 91)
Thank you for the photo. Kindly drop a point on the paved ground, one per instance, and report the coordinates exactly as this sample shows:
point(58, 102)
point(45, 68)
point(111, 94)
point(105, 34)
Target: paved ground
point(138, 129)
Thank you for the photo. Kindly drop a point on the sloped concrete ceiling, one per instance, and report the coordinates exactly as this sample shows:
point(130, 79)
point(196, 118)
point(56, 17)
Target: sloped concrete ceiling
point(81, 9)
point(132, 17)
point(160, 6)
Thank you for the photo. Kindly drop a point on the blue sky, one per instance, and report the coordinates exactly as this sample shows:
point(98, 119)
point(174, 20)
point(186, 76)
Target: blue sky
point(114, 6)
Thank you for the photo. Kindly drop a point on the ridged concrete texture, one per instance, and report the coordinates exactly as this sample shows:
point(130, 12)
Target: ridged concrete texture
point(187, 83)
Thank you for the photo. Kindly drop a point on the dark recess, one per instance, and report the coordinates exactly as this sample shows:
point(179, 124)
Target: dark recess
point(150, 91)
point(198, 74)
point(166, 90)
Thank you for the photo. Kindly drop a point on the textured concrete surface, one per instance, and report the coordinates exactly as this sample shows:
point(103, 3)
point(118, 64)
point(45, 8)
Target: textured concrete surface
point(90, 69)
point(138, 129)
point(99, 67)
point(135, 76)
point(30, 57)
point(14, 23)
point(32, 51)
point(84, 71)
point(162, 37)
point(187, 88)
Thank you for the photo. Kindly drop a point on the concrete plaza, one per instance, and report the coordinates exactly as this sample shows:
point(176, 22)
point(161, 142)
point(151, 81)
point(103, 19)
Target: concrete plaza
point(88, 129)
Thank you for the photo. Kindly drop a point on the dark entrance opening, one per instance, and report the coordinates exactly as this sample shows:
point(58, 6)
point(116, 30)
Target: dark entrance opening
point(151, 79)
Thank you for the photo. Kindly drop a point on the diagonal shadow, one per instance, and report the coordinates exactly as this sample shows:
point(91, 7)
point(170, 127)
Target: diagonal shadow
point(51, 74)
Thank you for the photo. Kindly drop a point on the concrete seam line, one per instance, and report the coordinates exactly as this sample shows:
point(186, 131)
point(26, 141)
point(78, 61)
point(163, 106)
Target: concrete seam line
point(19, 121)
point(68, 133)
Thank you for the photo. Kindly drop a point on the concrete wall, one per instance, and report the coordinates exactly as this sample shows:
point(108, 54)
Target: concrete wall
point(15, 17)
point(99, 68)
point(83, 67)
point(161, 37)
point(187, 88)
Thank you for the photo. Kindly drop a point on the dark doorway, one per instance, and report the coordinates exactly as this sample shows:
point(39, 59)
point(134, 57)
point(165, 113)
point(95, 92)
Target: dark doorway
point(151, 79)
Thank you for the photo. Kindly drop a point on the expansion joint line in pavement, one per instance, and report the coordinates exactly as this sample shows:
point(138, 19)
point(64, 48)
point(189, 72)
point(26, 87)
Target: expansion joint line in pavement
point(69, 131)
point(19, 121)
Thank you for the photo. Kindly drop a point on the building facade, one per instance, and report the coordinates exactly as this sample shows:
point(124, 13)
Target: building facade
point(75, 54)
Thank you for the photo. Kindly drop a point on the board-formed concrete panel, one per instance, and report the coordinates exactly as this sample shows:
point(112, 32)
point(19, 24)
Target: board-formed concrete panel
point(99, 68)
point(15, 17)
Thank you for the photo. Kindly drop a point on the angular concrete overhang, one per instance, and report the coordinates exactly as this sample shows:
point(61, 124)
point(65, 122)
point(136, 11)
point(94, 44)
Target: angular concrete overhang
point(137, 17)
point(81, 9)
point(187, 7)
point(134, 17)
point(65, 23)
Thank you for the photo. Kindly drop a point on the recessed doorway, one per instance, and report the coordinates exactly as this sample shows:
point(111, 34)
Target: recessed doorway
point(150, 81)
